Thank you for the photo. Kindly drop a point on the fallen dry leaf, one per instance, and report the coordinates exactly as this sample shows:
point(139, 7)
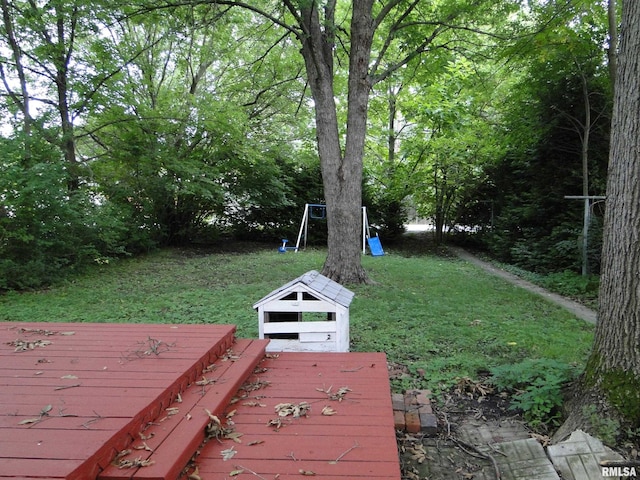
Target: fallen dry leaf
point(257, 385)
point(195, 475)
point(339, 395)
point(275, 422)
point(136, 462)
point(228, 454)
point(28, 421)
point(24, 345)
point(295, 410)
point(235, 436)
point(205, 381)
point(144, 446)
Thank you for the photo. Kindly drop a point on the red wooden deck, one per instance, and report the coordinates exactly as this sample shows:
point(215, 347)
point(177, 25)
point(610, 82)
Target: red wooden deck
point(357, 441)
point(72, 396)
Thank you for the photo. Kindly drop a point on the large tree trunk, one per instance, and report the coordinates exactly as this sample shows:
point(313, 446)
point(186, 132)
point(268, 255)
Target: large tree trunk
point(613, 369)
point(341, 173)
point(343, 262)
point(615, 360)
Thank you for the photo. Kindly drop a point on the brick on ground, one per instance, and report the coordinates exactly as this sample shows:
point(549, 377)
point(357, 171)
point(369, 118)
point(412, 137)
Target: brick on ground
point(413, 412)
point(397, 400)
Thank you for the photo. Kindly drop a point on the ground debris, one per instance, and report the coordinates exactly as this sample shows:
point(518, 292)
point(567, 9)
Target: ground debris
point(294, 409)
point(463, 412)
point(252, 403)
point(473, 388)
point(216, 429)
point(435, 459)
point(255, 385)
point(150, 346)
point(26, 345)
point(229, 355)
point(338, 395)
point(134, 463)
point(205, 381)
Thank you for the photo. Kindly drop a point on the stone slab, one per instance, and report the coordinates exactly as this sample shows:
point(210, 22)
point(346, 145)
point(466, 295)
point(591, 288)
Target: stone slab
point(579, 457)
point(482, 432)
point(523, 459)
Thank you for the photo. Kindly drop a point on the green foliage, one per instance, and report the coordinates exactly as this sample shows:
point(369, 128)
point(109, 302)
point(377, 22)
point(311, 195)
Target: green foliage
point(571, 284)
point(386, 211)
point(280, 217)
point(191, 123)
point(542, 115)
point(45, 230)
point(583, 288)
point(535, 386)
point(193, 152)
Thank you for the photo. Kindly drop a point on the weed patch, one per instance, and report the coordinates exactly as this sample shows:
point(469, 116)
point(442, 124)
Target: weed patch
point(535, 386)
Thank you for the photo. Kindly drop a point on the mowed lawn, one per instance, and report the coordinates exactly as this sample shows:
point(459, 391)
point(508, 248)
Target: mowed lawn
point(441, 317)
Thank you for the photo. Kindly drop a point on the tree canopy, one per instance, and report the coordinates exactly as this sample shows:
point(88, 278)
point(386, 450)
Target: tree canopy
point(176, 123)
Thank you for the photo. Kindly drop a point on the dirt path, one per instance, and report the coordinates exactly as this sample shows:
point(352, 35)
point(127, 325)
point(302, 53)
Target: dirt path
point(576, 308)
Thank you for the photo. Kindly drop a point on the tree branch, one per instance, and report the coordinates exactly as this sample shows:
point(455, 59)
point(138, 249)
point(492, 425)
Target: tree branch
point(230, 3)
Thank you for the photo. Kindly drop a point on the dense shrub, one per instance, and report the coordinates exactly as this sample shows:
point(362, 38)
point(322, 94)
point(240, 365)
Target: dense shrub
point(46, 229)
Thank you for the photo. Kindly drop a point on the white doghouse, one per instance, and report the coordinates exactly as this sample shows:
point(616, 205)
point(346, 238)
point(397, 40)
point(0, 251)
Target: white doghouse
point(308, 314)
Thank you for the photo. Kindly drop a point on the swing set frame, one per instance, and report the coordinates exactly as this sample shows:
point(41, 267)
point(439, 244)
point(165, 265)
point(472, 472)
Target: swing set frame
point(318, 211)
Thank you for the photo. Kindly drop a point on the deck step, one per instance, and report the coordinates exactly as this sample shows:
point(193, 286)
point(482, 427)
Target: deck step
point(167, 444)
point(155, 408)
point(347, 432)
point(96, 386)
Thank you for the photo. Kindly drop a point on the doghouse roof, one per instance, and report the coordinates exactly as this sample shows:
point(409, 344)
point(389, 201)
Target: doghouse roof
point(315, 283)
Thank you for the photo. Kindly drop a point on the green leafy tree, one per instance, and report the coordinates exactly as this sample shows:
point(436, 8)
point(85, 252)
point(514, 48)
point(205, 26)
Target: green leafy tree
point(49, 75)
point(44, 232)
point(333, 35)
point(182, 162)
point(439, 136)
point(555, 124)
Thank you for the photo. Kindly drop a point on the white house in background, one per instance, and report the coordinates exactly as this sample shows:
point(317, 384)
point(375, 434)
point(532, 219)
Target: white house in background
point(308, 314)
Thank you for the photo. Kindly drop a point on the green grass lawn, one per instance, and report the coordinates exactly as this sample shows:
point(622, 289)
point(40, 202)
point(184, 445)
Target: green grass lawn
point(439, 316)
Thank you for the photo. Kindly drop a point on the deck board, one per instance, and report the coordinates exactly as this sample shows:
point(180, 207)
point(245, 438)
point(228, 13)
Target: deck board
point(362, 425)
point(174, 441)
point(103, 405)
point(116, 389)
